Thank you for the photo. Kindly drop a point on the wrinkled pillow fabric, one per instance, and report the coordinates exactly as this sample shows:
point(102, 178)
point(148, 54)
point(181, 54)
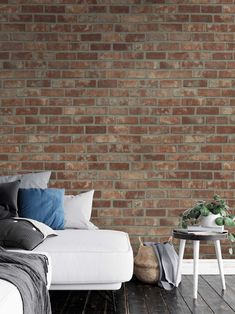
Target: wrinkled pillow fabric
point(29, 180)
point(45, 229)
point(44, 205)
point(8, 199)
point(77, 211)
point(19, 234)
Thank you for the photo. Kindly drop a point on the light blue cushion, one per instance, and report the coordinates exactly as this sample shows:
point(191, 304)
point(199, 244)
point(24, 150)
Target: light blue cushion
point(44, 205)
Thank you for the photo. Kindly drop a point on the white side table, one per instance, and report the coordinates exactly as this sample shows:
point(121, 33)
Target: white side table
point(196, 238)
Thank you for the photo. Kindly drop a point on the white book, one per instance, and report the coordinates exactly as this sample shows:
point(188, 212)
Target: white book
point(195, 228)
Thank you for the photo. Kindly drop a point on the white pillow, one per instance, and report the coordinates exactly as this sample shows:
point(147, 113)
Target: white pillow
point(29, 180)
point(77, 211)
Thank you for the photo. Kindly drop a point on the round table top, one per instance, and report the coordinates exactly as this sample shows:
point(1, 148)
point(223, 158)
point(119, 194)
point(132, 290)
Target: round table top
point(203, 236)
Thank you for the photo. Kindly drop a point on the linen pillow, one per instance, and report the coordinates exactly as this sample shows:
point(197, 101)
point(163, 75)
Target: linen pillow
point(29, 180)
point(77, 211)
point(8, 199)
point(19, 234)
point(44, 205)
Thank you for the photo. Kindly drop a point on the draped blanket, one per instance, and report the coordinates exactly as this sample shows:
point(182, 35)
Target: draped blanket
point(168, 260)
point(28, 273)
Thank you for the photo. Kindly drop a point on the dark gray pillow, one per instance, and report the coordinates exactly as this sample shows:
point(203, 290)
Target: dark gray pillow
point(19, 234)
point(8, 199)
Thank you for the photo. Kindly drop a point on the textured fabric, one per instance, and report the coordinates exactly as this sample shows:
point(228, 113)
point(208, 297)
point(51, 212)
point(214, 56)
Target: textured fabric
point(77, 211)
point(28, 273)
point(44, 205)
point(8, 199)
point(29, 180)
point(168, 261)
point(19, 234)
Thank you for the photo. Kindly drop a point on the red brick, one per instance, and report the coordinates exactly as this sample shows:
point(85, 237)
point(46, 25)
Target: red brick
point(45, 18)
point(155, 55)
point(201, 18)
point(119, 9)
point(107, 83)
point(91, 37)
point(32, 8)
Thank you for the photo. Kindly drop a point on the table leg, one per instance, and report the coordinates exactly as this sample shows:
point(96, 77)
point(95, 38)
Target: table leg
point(220, 262)
point(196, 245)
point(181, 254)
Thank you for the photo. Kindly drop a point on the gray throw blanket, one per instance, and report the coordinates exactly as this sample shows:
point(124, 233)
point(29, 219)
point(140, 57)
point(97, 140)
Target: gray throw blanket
point(168, 261)
point(28, 273)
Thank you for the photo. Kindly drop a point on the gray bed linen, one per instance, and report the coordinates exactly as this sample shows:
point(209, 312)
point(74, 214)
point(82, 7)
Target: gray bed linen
point(28, 273)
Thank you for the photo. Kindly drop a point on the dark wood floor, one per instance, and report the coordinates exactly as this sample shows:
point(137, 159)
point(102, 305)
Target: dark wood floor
point(137, 298)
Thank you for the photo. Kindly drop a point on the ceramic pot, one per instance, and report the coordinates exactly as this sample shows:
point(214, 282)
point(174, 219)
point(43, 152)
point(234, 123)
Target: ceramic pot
point(209, 221)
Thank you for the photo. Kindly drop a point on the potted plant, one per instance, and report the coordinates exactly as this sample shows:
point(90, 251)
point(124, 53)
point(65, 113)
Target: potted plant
point(216, 212)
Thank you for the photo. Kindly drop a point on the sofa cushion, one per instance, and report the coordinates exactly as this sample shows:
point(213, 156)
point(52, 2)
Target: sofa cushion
point(29, 180)
point(8, 199)
point(89, 256)
point(77, 211)
point(44, 205)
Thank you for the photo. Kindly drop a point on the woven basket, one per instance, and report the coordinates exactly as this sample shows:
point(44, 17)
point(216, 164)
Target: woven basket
point(146, 267)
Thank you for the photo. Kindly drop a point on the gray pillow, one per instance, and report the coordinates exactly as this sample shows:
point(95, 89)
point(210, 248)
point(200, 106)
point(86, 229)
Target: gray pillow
point(8, 199)
point(29, 180)
point(19, 234)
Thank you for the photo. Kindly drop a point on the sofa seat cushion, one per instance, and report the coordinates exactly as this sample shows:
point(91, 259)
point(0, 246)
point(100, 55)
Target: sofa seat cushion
point(89, 256)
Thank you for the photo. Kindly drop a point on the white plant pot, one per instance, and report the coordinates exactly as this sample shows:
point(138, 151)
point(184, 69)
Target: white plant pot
point(209, 221)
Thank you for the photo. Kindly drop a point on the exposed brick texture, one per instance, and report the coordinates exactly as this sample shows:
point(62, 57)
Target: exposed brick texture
point(132, 98)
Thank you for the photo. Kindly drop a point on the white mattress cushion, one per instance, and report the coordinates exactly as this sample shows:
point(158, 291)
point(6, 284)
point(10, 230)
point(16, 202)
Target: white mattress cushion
point(89, 256)
point(10, 298)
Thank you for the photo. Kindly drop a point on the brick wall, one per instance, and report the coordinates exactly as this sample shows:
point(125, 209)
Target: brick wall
point(132, 98)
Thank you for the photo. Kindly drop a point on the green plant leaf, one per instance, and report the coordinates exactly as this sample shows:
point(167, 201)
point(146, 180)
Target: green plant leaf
point(231, 237)
point(216, 210)
point(228, 222)
point(219, 221)
point(204, 211)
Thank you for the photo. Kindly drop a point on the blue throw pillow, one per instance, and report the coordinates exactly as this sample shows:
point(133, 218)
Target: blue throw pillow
point(44, 205)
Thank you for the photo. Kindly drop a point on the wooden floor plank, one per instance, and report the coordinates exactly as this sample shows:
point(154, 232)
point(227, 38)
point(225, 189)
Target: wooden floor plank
point(186, 289)
point(154, 301)
point(227, 295)
point(121, 300)
point(175, 302)
point(59, 300)
point(76, 302)
point(136, 299)
point(212, 298)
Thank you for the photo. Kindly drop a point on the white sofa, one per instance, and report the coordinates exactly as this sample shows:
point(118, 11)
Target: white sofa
point(80, 260)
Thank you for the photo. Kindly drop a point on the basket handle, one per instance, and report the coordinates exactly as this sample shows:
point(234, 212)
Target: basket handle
point(170, 240)
point(140, 241)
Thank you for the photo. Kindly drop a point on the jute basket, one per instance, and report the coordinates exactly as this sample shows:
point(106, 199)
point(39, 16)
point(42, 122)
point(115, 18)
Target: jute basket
point(146, 267)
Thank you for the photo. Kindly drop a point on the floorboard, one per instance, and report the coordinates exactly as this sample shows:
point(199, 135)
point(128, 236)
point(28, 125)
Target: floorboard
point(137, 298)
point(212, 298)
